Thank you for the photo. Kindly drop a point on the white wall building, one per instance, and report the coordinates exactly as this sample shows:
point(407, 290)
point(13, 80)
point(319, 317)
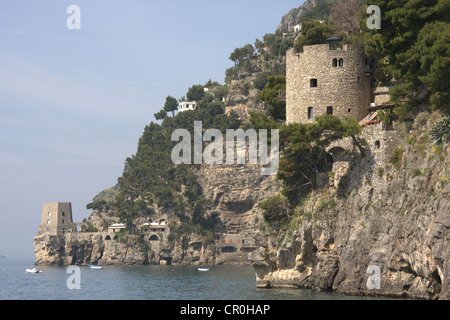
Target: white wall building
point(186, 106)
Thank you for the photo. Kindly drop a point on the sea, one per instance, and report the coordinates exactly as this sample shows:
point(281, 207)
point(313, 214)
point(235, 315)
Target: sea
point(142, 282)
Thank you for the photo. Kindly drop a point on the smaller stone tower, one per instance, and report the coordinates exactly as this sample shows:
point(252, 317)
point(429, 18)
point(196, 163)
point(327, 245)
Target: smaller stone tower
point(56, 219)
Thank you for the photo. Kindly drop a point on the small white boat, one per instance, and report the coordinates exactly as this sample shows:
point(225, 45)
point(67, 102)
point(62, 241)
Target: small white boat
point(203, 269)
point(33, 270)
point(96, 267)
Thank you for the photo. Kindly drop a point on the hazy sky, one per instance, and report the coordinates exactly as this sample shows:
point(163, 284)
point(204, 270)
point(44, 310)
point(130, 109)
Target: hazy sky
point(73, 103)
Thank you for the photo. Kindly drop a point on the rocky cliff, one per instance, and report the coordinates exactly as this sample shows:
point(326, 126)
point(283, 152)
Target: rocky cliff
point(380, 229)
point(234, 192)
point(291, 19)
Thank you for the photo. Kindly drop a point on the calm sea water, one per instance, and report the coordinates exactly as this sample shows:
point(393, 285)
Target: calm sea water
point(143, 283)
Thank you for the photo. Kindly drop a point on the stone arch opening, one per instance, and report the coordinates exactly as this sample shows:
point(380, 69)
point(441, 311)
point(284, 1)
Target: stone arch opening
point(335, 62)
point(341, 63)
point(115, 237)
point(108, 237)
point(153, 238)
point(335, 154)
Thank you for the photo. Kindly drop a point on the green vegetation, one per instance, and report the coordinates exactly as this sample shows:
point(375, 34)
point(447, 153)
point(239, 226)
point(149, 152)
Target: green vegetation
point(88, 227)
point(277, 108)
point(415, 39)
point(303, 151)
point(416, 173)
point(151, 178)
point(320, 12)
point(441, 131)
point(302, 148)
point(275, 211)
point(313, 32)
point(263, 59)
point(396, 157)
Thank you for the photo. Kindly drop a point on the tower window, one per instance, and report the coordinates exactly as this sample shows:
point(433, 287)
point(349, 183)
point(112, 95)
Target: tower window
point(63, 214)
point(341, 63)
point(49, 214)
point(335, 62)
point(313, 83)
point(48, 221)
point(330, 110)
point(349, 110)
point(310, 112)
point(377, 144)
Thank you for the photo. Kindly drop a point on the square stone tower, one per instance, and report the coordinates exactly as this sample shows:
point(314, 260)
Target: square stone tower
point(56, 219)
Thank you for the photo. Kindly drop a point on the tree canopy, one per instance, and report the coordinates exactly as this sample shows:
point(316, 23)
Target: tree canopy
point(195, 93)
point(313, 32)
point(171, 105)
point(241, 54)
point(415, 39)
point(269, 94)
point(303, 149)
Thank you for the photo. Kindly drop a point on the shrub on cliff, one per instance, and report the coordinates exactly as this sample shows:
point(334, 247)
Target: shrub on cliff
point(441, 131)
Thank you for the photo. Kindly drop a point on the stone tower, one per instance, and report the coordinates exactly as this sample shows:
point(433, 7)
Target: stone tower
point(321, 80)
point(56, 219)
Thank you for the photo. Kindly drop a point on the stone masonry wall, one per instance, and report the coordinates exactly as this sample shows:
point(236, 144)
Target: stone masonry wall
point(345, 88)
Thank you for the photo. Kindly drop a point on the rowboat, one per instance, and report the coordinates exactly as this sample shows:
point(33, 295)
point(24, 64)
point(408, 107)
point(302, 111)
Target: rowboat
point(96, 267)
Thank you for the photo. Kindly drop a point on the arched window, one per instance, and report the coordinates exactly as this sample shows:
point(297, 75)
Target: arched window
point(377, 144)
point(341, 63)
point(334, 62)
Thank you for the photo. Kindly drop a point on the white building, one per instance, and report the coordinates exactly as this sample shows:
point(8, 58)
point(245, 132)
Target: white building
point(186, 106)
point(116, 227)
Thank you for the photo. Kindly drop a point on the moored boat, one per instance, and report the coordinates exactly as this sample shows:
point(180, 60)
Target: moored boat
point(33, 270)
point(203, 269)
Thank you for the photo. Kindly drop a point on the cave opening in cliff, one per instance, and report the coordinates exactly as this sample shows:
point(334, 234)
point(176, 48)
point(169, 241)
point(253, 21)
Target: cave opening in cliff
point(229, 249)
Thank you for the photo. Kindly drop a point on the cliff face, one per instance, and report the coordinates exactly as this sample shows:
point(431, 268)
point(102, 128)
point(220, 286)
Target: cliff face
point(54, 250)
point(234, 192)
point(290, 20)
point(378, 230)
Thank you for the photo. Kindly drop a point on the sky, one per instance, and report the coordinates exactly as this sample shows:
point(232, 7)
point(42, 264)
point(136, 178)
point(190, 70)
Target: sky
point(74, 102)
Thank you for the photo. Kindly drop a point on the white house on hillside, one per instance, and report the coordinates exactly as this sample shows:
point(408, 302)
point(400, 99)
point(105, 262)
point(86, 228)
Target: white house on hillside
point(186, 106)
